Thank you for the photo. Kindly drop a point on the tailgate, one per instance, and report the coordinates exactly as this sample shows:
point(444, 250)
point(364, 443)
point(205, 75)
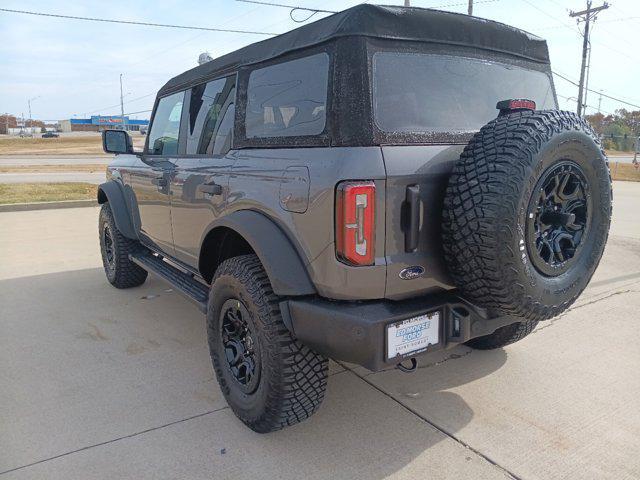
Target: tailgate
point(416, 182)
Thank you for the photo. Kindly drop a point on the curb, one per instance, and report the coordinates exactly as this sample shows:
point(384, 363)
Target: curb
point(23, 207)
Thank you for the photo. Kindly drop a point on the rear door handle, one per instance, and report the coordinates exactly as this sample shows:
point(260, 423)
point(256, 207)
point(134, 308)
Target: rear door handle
point(211, 188)
point(412, 222)
point(159, 181)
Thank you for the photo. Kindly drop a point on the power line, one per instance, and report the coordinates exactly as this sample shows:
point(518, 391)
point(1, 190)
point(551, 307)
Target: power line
point(117, 105)
point(292, 8)
point(133, 113)
point(597, 91)
point(129, 22)
point(464, 4)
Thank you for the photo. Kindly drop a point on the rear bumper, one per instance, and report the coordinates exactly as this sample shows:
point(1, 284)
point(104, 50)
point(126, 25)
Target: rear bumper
point(355, 332)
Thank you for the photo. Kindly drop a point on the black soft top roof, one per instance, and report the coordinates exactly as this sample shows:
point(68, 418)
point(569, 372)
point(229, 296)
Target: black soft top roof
point(386, 22)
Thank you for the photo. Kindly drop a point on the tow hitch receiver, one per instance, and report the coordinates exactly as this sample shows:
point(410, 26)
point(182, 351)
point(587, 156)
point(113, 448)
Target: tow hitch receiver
point(412, 368)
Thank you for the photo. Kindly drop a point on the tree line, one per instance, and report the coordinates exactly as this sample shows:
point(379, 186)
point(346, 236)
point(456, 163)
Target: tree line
point(619, 131)
point(11, 121)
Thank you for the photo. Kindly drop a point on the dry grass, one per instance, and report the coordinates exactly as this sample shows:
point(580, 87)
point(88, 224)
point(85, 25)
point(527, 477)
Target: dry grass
point(63, 145)
point(45, 192)
point(87, 168)
point(87, 145)
point(624, 171)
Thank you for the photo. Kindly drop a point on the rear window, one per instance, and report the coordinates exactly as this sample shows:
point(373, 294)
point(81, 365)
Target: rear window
point(436, 93)
point(288, 99)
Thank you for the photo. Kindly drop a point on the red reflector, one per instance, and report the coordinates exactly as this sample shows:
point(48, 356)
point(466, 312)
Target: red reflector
point(355, 222)
point(516, 104)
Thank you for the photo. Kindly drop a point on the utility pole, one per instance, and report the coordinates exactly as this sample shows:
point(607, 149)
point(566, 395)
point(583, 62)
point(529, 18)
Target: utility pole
point(470, 10)
point(586, 16)
point(122, 104)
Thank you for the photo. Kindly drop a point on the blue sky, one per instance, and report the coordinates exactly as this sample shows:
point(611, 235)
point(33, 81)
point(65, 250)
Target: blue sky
point(74, 66)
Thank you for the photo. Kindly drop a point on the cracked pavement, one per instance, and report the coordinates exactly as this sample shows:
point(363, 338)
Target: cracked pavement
point(105, 383)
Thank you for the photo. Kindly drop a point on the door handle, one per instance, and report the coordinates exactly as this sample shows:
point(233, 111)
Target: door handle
point(211, 188)
point(412, 222)
point(160, 182)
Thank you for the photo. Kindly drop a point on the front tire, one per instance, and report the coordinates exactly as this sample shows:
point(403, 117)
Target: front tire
point(115, 249)
point(269, 379)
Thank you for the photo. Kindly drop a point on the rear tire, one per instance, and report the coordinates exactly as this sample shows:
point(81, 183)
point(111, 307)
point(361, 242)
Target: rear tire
point(115, 249)
point(269, 379)
point(503, 336)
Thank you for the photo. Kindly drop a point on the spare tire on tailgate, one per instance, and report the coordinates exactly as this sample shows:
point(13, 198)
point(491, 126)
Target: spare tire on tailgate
point(526, 213)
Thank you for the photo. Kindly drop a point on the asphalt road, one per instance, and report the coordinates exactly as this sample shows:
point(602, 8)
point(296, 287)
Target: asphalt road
point(35, 160)
point(104, 383)
point(95, 178)
point(621, 159)
point(53, 177)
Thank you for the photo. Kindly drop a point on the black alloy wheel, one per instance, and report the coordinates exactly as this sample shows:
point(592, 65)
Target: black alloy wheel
point(109, 251)
point(240, 346)
point(268, 378)
point(558, 218)
point(526, 216)
point(115, 249)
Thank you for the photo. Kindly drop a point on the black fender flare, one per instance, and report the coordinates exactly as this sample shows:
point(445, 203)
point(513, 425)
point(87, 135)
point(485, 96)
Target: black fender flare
point(111, 192)
point(278, 255)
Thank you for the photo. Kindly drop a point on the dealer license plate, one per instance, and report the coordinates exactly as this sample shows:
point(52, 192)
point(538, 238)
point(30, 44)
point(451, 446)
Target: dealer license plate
point(413, 335)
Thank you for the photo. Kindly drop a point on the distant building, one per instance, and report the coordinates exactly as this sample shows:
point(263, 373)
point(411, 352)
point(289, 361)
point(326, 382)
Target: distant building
point(97, 123)
point(24, 130)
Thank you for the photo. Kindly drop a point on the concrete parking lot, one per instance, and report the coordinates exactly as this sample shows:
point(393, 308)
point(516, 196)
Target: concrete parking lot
point(103, 383)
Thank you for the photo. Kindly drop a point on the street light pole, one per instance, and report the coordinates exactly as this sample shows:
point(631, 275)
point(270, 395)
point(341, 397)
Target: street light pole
point(30, 118)
point(122, 105)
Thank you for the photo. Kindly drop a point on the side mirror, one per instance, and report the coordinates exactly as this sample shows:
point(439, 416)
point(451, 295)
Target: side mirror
point(116, 141)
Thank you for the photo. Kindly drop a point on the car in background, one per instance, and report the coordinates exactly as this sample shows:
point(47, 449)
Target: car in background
point(50, 135)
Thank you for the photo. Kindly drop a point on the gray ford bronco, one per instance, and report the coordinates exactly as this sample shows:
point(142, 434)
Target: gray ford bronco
point(370, 187)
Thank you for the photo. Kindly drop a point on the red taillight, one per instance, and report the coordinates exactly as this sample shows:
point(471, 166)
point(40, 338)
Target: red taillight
point(355, 222)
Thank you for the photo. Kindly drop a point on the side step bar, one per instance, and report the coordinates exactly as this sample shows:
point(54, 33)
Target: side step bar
point(181, 281)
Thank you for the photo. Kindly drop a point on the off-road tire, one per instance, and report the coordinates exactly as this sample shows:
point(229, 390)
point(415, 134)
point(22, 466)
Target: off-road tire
point(488, 201)
point(293, 378)
point(503, 336)
point(121, 272)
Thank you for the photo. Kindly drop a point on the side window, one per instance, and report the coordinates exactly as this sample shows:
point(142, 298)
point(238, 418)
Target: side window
point(288, 99)
point(208, 118)
point(163, 137)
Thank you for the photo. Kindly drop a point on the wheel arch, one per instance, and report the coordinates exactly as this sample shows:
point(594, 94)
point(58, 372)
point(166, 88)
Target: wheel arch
point(111, 192)
point(248, 231)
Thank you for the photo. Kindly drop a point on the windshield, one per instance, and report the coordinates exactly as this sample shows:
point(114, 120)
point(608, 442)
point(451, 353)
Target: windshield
point(436, 93)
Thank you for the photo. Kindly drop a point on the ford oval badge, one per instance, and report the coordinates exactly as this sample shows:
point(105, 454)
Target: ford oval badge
point(410, 273)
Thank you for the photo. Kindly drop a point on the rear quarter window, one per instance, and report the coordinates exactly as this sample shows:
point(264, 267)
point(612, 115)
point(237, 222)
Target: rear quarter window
point(423, 93)
point(288, 99)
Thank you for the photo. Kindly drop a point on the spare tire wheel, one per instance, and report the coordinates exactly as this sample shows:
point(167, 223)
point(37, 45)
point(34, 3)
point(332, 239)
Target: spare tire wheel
point(526, 213)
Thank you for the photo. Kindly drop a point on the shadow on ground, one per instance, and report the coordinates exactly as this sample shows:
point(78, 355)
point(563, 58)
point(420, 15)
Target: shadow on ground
point(89, 364)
